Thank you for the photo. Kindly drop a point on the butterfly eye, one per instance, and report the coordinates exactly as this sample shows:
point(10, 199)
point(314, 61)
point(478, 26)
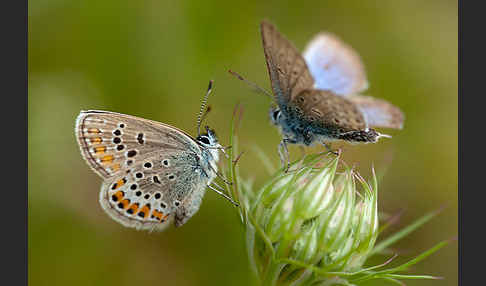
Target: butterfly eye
point(276, 114)
point(204, 140)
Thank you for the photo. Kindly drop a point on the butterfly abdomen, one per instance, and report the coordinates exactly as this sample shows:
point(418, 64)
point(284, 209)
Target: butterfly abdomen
point(362, 136)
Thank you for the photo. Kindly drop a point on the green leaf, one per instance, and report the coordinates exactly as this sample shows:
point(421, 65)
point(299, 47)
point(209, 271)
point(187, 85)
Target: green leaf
point(404, 232)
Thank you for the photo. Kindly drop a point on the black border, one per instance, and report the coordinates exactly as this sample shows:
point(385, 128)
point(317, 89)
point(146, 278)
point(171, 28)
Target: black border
point(471, 150)
point(14, 23)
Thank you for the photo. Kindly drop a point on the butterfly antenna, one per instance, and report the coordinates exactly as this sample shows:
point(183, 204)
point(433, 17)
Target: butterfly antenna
point(255, 86)
point(208, 109)
point(201, 116)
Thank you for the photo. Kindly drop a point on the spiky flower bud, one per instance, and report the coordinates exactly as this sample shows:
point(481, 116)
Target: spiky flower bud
point(312, 218)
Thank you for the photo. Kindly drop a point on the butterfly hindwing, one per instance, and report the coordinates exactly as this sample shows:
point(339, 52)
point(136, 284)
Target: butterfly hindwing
point(154, 190)
point(134, 204)
point(378, 112)
point(326, 110)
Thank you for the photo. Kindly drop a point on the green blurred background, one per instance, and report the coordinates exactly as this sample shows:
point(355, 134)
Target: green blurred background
point(154, 59)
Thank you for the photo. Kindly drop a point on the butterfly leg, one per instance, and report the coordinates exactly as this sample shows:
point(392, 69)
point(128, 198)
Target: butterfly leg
point(220, 176)
point(220, 192)
point(223, 150)
point(284, 153)
point(224, 179)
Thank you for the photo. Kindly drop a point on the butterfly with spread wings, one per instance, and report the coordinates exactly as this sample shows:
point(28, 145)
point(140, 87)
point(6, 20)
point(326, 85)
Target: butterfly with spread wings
point(317, 93)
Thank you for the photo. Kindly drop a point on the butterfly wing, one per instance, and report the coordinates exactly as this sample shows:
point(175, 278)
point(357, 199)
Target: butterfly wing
point(334, 65)
point(137, 203)
point(167, 185)
point(111, 142)
point(325, 109)
point(337, 67)
point(378, 112)
point(288, 71)
point(149, 179)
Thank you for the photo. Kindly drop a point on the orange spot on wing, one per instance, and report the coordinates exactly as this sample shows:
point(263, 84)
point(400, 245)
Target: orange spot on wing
point(107, 159)
point(157, 214)
point(133, 208)
point(164, 218)
point(121, 182)
point(96, 140)
point(100, 150)
point(145, 210)
point(115, 167)
point(118, 184)
point(119, 195)
point(126, 203)
point(94, 131)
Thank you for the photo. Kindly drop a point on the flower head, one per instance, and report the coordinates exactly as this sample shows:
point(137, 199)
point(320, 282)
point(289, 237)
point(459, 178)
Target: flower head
point(313, 216)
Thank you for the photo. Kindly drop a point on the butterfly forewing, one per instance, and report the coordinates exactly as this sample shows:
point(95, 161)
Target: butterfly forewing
point(111, 142)
point(334, 65)
point(288, 71)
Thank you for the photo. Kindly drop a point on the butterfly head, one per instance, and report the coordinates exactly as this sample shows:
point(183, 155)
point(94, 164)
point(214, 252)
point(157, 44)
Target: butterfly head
point(208, 139)
point(210, 146)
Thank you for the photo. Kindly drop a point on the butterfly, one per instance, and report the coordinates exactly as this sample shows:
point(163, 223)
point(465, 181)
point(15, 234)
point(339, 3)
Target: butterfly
point(317, 93)
point(153, 172)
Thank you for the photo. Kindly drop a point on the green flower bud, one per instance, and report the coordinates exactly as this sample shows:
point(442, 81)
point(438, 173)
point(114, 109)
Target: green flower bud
point(312, 217)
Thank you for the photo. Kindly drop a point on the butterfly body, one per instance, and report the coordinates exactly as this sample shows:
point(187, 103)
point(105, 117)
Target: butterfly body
point(153, 173)
point(317, 94)
point(321, 117)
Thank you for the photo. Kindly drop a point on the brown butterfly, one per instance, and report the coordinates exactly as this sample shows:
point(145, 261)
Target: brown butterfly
point(316, 94)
